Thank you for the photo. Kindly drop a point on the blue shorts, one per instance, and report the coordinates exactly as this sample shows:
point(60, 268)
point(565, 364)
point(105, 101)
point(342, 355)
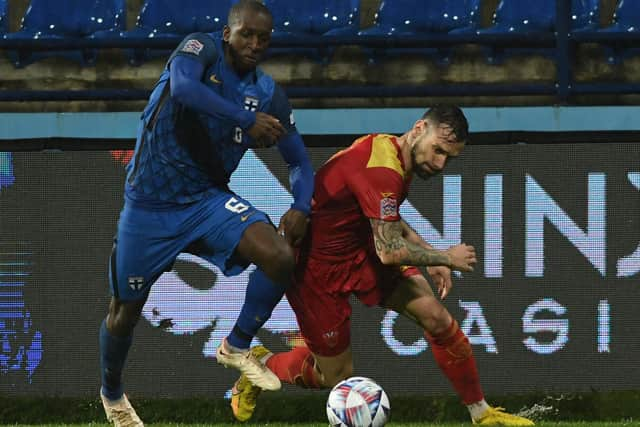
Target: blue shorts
point(149, 240)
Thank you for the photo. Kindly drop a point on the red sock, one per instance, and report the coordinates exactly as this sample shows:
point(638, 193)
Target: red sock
point(295, 367)
point(454, 356)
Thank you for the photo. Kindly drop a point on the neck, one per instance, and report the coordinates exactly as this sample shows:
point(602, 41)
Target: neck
point(229, 60)
point(406, 146)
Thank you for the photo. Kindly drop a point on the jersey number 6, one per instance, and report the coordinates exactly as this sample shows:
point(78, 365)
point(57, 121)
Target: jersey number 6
point(235, 206)
point(237, 135)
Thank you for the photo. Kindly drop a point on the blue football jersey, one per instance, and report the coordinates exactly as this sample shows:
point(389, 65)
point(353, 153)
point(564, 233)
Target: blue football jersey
point(184, 155)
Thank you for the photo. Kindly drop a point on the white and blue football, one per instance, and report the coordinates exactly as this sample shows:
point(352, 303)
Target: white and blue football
point(358, 402)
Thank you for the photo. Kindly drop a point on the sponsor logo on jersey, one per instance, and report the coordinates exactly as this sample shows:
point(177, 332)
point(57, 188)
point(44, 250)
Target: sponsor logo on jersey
point(243, 218)
point(192, 46)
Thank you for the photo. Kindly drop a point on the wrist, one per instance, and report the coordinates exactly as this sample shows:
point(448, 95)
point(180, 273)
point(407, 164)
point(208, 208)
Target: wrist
point(302, 207)
point(245, 119)
point(447, 256)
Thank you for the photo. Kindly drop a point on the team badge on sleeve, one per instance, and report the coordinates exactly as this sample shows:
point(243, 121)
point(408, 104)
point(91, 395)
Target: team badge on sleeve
point(388, 206)
point(192, 46)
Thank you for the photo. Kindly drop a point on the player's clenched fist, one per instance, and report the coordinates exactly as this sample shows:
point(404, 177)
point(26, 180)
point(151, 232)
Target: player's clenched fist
point(463, 257)
point(266, 131)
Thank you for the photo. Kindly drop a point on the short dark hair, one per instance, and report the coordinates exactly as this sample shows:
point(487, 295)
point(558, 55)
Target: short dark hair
point(451, 116)
point(252, 5)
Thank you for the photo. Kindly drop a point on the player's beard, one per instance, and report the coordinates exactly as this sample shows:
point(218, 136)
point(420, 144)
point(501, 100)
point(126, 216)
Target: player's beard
point(241, 65)
point(417, 169)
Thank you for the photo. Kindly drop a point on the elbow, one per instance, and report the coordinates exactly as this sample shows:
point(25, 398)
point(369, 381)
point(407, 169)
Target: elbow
point(180, 91)
point(388, 258)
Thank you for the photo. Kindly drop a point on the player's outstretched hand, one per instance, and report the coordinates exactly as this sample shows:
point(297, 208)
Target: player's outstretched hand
point(293, 226)
point(266, 131)
point(441, 277)
point(463, 257)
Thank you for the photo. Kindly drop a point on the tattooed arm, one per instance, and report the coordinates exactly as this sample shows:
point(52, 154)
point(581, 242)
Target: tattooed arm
point(440, 274)
point(393, 248)
point(412, 235)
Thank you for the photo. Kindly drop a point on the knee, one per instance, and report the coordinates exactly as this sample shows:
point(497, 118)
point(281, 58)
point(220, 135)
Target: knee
point(281, 265)
point(120, 320)
point(436, 322)
point(340, 373)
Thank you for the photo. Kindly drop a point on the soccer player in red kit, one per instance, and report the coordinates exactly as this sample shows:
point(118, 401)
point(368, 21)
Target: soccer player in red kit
point(358, 244)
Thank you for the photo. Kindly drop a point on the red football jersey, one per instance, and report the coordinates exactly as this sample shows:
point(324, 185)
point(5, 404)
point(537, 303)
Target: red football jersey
point(366, 180)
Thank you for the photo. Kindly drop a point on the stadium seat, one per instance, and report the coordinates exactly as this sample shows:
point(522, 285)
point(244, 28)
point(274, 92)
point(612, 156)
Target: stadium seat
point(408, 17)
point(527, 17)
point(292, 18)
point(626, 19)
point(171, 18)
point(585, 15)
point(56, 19)
point(4, 12)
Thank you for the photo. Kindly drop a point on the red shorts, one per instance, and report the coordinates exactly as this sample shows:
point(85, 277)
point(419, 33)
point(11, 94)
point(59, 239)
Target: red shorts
point(320, 296)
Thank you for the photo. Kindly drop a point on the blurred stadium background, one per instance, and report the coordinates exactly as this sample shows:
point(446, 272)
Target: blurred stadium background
point(548, 192)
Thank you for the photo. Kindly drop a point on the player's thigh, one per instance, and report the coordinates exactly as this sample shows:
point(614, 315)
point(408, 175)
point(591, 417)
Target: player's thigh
point(144, 247)
point(261, 245)
point(232, 234)
point(324, 316)
point(335, 368)
point(412, 297)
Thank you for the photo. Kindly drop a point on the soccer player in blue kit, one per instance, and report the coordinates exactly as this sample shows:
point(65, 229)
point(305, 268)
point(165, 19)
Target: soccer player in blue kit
point(208, 107)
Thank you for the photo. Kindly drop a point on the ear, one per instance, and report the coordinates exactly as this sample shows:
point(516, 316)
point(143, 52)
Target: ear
point(226, 32)
point(420, 126)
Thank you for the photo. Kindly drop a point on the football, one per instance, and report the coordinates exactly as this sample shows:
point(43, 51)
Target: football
point(358, 402)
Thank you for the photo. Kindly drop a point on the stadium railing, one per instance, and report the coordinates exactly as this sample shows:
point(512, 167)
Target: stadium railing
point(563, 42)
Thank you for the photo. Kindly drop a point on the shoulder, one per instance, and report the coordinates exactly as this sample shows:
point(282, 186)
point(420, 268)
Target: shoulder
point(384, 153)
point(265, 82)
point(200, 40)
point(198, 45)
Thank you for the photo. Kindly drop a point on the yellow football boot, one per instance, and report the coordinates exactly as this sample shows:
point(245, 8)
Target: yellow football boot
point(497, 417)
point(244, 394)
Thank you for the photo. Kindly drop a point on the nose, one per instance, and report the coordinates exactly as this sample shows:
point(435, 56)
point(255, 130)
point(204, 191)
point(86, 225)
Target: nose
point(438, 162)
point(254, 43)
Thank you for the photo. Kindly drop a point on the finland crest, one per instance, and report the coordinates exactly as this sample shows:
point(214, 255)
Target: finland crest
point(251, 103)
point(136, 282)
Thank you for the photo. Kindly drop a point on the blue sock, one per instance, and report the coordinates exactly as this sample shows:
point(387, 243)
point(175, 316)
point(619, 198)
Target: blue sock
point(113, 353)
point(261, 298)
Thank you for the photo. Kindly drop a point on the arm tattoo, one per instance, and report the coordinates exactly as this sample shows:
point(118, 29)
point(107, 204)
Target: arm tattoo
point(393, 248)
point(410, 234)
point(409, 228)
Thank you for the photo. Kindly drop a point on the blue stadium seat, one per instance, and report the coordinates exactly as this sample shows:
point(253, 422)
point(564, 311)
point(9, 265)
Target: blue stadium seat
point(585, 15)
point(412, 17)
point(293, 18)
point(409, 17)
point(626, 19)
point(56, 19)
point(316, 18)
point(171, 18)
point(527, 17)
point(4, 12)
